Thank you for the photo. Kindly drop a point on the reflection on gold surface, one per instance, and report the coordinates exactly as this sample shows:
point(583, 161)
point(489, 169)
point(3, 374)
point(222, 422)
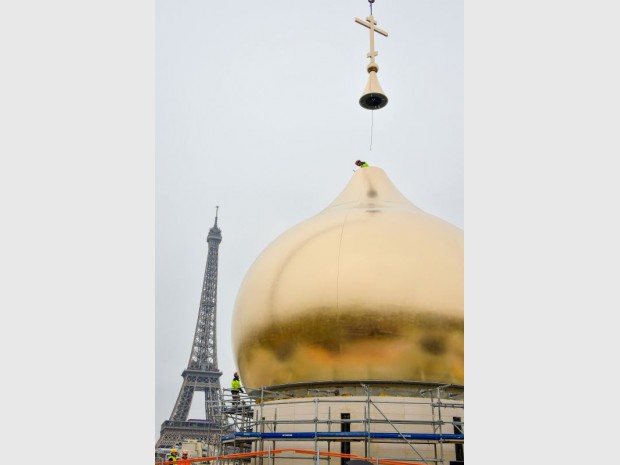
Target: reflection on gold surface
point(370, 288)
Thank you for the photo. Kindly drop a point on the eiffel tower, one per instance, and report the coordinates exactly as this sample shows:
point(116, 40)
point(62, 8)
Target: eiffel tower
point(202, 373)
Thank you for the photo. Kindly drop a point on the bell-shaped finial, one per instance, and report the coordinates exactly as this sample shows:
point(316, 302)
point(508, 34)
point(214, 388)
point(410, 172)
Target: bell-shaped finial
point(373, 96)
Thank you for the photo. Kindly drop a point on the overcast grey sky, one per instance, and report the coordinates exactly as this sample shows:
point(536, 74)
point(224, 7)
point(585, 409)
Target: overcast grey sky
point(257, 112)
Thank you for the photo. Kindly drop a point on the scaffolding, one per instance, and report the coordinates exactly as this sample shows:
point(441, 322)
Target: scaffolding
point(259, 424)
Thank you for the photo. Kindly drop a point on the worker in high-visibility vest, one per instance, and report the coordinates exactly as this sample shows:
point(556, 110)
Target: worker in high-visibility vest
point(361, 164)
point(235, 389)
point(173, 455)
point(183, 460)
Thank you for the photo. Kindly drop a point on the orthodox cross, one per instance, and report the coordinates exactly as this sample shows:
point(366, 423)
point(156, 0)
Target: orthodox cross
point(370, 23)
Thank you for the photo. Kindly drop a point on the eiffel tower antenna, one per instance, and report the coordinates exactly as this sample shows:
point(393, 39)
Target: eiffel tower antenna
point(202, 373)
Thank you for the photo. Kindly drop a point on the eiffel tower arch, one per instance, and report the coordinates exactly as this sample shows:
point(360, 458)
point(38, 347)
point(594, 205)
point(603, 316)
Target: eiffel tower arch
point(202, 373)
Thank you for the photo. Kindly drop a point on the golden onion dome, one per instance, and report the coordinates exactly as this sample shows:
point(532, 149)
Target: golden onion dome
point(371, 288)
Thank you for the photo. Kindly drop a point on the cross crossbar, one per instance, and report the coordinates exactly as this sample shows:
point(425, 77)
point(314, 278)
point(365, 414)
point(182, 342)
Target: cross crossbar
point(371, 25)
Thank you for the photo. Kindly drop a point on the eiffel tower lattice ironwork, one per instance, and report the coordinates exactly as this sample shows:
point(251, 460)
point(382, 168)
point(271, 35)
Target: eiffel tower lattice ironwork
point(202, 373)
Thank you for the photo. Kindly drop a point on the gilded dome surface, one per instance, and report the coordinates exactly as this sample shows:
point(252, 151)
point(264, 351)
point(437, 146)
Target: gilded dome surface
point(371, 288)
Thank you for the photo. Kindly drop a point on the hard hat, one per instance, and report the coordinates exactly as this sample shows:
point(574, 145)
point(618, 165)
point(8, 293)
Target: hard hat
point(236, 374)
point(173, 451)
point(184, 452)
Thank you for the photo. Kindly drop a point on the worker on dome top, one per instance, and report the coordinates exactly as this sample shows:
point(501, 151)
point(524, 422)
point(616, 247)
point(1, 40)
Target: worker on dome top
point(235, 389)
point(361, 164)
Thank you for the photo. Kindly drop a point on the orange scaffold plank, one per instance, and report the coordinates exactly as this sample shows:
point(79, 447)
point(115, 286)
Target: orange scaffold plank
point(279, 451)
